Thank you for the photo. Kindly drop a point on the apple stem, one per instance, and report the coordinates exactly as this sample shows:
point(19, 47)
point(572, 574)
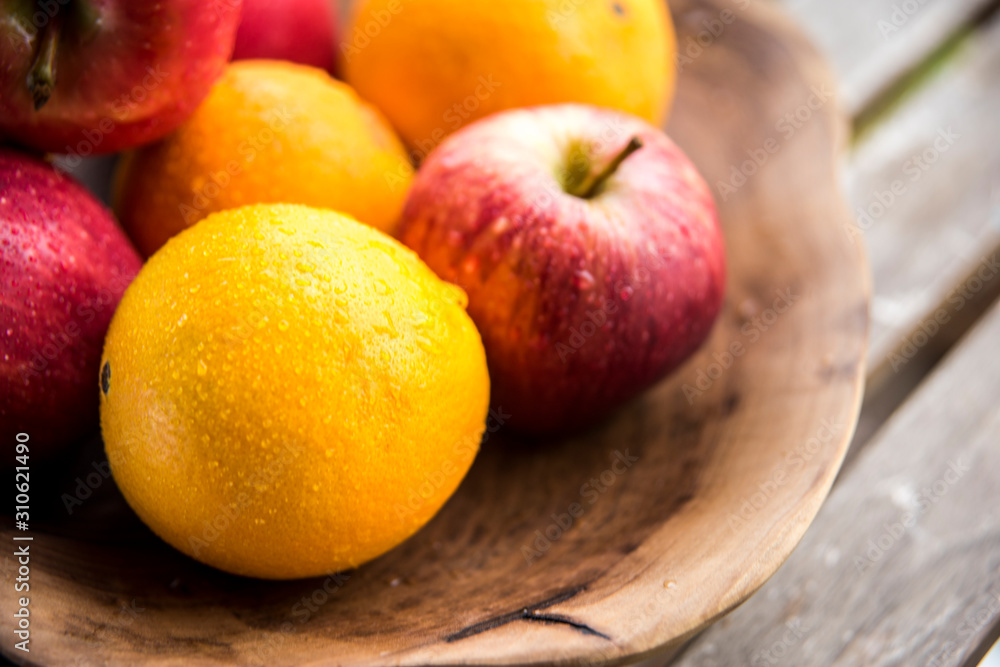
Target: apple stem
point(590, 186)
point(42, 77)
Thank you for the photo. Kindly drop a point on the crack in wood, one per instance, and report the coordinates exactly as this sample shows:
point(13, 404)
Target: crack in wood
point(530, 613)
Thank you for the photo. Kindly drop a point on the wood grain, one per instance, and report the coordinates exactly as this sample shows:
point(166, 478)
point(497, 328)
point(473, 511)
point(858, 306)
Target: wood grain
point(902, 566)
point(933, 232)
point(872, 43)
point(916, 607)
point(700, 500)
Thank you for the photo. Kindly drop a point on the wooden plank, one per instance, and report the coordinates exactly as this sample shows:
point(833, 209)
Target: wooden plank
point(902, 565)
point(925, 189)
point(872, 43)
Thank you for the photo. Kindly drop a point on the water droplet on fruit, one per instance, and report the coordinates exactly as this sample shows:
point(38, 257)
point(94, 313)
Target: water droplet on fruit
point(302, 282)
point(456, 294)
point(626, 293)
point(583, 279)
point(283, 325)
point(305, 267)
point(470, 264)
point(329, 453)
point(202, 368)
point(258, 235)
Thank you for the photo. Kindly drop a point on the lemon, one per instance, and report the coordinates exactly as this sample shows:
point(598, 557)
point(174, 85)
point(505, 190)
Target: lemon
point(286, 392)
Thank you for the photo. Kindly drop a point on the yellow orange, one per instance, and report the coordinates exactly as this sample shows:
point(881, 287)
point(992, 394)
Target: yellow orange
point(287, 392)
point(433, 66)
point(269, 132)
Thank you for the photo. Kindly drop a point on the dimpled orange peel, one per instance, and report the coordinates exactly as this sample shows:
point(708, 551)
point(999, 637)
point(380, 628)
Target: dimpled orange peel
point(433, 66)
point(286, 392)
point(269, 132)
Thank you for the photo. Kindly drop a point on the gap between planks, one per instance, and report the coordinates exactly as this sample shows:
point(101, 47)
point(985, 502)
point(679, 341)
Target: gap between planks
point(931, 243)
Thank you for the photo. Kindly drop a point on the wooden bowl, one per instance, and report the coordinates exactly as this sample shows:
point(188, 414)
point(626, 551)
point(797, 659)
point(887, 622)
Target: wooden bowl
point(686, 501)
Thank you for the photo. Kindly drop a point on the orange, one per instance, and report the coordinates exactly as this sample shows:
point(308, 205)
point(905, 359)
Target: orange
point(286, 392)
point(269, 132)
point(433, 66)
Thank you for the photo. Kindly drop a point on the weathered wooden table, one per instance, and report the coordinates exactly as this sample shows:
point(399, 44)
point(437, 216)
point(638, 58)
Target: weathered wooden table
point(902, 565)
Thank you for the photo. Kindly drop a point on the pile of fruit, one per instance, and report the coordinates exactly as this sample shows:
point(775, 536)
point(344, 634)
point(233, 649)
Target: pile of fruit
point(340, 277)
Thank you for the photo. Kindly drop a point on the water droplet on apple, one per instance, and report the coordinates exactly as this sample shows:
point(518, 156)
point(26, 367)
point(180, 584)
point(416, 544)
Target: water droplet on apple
point(583, 279)
point(470, 264)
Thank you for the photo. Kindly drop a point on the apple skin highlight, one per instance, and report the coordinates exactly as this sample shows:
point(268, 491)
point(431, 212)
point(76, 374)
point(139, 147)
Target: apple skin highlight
point(581, 303)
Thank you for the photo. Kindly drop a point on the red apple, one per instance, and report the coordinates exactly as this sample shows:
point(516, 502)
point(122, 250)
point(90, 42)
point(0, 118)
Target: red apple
point(64, 265)
point(98, 76)
point(302, 31)
point(589, 247)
